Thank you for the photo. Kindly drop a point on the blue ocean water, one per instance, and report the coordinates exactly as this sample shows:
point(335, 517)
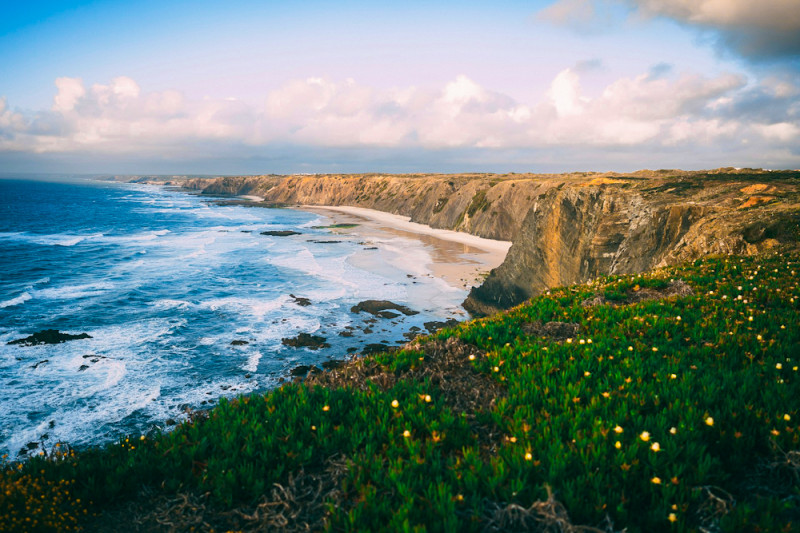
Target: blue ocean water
point(164, 281)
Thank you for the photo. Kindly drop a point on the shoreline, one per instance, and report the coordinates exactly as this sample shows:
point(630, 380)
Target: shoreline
point(459, 259)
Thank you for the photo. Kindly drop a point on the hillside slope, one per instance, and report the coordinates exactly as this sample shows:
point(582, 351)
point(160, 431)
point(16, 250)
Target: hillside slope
point(665, 402)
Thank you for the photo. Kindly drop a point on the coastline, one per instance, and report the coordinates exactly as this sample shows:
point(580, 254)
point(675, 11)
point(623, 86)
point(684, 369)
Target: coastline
point(460, 259)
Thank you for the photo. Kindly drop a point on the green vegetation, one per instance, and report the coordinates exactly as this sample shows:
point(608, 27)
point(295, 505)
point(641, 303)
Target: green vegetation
point(674, 413)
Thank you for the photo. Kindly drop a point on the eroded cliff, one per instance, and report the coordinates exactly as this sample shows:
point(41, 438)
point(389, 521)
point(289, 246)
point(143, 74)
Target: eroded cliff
point(565, 228)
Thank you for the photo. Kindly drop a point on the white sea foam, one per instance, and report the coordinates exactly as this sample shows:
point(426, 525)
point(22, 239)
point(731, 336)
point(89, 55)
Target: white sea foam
point(252, 361)
point(70, 292)
point(21, 299)
point(57, 239)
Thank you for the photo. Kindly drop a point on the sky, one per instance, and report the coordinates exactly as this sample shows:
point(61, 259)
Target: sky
point(238, 87)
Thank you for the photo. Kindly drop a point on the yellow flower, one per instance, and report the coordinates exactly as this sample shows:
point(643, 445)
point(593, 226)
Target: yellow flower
point(775, 432)
point(656, 447)
point(406, 433)
point(587, 374)
point(672, 517)
point(606, 394)
point(618, 429)
point(645, 436)
point(678, 317)
point(655, 349)
point(395, 404)
point(778, 366)
point(569, 341)
point(427, 398)
point(141, 438)
point(787, 417)
point(528, 456)
point(471, 357)
point(709, 421)
point(618, 445)
point(656, 480)
point(496, 369)
point(630, 348)
point(673, 430)
point(326, 408)
point(513, 439)
point(313, 428)
point(673, 376)
point(582, 341)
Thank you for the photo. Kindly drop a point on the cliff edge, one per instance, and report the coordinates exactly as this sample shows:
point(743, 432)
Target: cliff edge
point(565, 228)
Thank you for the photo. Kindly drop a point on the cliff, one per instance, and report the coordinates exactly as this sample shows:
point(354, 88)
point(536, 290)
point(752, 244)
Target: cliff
point(567, 228)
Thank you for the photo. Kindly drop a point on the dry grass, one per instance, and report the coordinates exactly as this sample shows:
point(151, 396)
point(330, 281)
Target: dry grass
point(301, 504)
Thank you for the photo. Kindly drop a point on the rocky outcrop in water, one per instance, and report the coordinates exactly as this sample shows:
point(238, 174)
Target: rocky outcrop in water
point(49, 336)
point(382, 308)
point(306, 340)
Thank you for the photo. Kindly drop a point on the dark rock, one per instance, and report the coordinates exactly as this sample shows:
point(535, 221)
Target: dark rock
point(247, 376)
point(346, 334)
point(335, 226)
point(381, 308)
point(305, 340)
point(43, 361)
point(332, 364)
point(82, 368)
point(304, 370)
point(375, 348)
point(49, 336)
point(436, 325)
point(367, 330)
point(352, 349)
point(238, 342)
point(280, 233)
point(170, 422)
point(324, 242)
point(414, 328)
point(299, 300)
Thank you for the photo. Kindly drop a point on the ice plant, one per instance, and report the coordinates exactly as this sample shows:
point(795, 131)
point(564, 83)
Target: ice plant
point(645, 436)
point(709, 421)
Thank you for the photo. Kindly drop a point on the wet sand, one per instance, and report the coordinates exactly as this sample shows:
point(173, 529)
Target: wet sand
point(460, 259)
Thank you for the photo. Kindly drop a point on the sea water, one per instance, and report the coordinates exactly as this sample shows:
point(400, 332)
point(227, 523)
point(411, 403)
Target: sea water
point(163, 282)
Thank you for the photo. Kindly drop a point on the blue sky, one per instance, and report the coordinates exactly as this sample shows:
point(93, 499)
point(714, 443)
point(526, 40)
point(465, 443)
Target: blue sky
point(259, 87)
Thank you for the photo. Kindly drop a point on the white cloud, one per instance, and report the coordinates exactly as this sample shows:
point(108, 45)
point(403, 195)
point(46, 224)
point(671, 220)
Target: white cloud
point(645, 112)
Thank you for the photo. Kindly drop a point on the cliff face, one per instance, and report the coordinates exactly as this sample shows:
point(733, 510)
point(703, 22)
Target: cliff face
point(487, 206)
point(575, 234)
point(568, 228)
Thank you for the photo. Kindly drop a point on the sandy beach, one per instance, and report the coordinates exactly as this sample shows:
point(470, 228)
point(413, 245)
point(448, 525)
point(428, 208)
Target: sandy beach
point(460, 259)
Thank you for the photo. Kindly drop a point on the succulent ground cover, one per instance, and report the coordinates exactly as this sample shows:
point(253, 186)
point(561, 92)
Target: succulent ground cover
point(663, 402)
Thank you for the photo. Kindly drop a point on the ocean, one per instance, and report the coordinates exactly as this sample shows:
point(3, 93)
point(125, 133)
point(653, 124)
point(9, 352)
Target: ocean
point(164, 282)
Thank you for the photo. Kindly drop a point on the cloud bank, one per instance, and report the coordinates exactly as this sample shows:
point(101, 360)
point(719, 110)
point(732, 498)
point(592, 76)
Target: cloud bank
point(758, 30)
point(689, 119)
